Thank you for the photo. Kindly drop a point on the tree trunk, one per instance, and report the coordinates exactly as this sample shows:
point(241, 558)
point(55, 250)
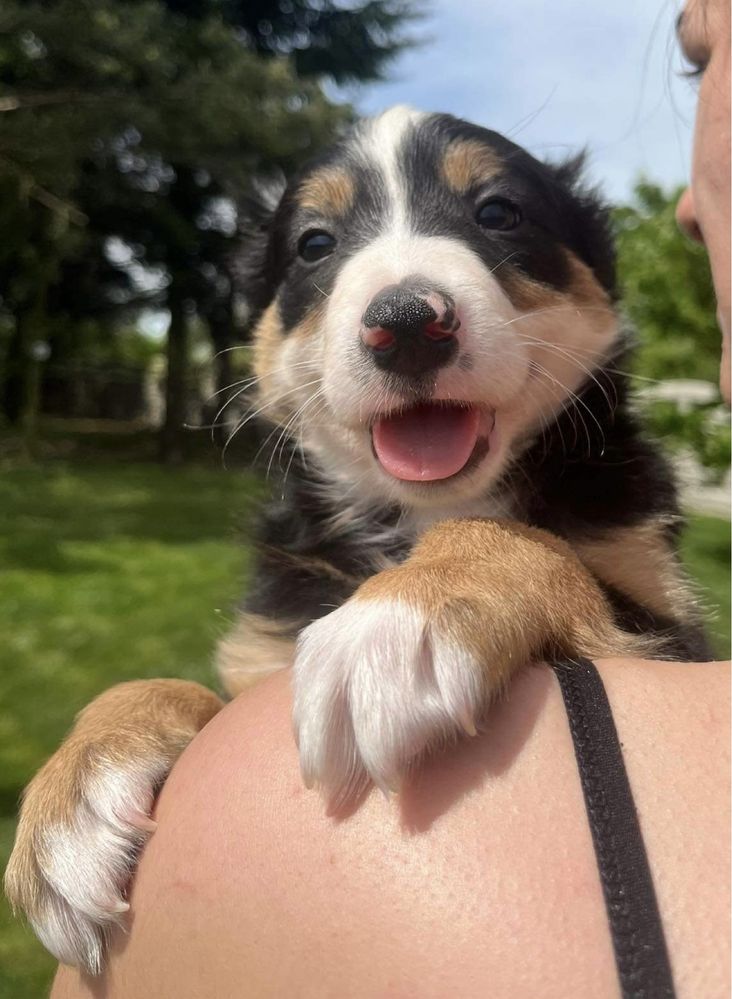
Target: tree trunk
point(16, 361)
point(22, 388)
point(172, 450)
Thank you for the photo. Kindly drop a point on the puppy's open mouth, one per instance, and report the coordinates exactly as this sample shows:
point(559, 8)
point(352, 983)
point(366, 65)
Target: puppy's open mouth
point(432, 441)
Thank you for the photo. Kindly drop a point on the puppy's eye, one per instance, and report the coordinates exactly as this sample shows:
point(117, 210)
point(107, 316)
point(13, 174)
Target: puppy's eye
point(498, 213)
point(315, 245)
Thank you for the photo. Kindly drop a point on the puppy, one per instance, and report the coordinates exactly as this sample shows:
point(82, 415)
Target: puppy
point(439, 354)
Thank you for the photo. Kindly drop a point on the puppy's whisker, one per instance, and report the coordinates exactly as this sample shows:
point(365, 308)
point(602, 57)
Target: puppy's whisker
point(269, 402)
point(253, 379)
point(282, 439)
point(319, 397)
point(578, 310)
point(228, 350)
point(563, 352)
point(553, 385)
point(249, 383)
point(504, 261)
point(578, 401)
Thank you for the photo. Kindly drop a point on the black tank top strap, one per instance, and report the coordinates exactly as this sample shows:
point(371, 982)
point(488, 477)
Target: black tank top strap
point(640, 948)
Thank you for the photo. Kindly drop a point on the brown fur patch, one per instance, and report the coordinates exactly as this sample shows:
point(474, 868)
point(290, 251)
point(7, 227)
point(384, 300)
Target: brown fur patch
point(276, 393)
point(269, 335)
point(467, 163)
point(584, 287)
point(329, 192)
point(525, 293)
point(508, 593)
point(584, 291)
point(254, 648)
point(311, 325)
point(640, 563)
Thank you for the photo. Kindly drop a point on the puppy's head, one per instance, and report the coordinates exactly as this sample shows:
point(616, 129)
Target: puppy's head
point(431, 296)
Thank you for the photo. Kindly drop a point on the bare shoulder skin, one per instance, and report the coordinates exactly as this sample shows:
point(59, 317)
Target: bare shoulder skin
point(249, 889)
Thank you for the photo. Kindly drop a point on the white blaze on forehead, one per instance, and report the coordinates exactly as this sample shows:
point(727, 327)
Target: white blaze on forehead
point(382, 140)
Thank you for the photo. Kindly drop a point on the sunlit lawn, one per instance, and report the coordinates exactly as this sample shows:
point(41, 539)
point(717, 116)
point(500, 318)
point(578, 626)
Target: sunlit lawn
point(108, 572)
point(706, 551)
point(112, 571)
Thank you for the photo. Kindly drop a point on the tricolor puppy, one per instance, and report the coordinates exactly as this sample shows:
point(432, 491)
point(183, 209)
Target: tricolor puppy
point(439, 355)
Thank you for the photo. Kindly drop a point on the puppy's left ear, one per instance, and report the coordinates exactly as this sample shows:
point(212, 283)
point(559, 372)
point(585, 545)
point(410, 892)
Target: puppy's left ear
point(588, 219)
point(252, 266)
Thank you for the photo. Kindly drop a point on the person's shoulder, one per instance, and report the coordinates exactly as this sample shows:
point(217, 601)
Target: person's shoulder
point(658, 708)
point(250, 872)
point(693, 699)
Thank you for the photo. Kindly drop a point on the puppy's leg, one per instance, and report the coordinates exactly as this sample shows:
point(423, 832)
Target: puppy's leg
point(86, 814)
point(420, 650)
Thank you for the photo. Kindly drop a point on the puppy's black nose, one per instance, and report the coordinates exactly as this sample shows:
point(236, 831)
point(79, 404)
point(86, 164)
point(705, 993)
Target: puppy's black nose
point(410, 330)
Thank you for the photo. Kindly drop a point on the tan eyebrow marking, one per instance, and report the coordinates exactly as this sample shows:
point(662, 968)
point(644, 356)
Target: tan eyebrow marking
point(467, 163)
point(583, 291)
point(330, 191)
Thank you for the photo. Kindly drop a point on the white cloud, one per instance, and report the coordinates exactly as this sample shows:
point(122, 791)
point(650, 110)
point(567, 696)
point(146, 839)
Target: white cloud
point(557, 77)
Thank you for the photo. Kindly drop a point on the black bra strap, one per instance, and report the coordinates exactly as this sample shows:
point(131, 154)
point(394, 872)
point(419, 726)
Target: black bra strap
point(635, 923)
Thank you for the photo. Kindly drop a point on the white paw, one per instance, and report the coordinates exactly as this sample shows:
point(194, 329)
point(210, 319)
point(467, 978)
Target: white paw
point(74, 855)
point(376, 682)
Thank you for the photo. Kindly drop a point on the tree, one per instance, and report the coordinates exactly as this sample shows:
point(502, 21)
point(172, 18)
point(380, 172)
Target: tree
point(351, 44)
point(667, 290)
point(133, 118)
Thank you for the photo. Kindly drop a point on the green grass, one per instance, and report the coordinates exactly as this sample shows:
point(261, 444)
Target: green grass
point(116, 570)
point(706, 552)
point(107, 572)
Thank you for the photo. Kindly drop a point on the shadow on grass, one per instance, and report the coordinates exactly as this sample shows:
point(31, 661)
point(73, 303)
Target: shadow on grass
point(49, 506)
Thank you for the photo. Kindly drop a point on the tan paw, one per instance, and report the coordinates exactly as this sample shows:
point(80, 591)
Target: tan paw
point(83, 823)
point(420, 650)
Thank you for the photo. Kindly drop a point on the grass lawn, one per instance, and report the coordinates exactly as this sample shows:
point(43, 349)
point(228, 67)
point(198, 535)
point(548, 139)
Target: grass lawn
point(706, 552)
point(113, 571)
point(108, 572)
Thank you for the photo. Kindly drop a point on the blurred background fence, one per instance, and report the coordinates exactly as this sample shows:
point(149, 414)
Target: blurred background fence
point(130, 132)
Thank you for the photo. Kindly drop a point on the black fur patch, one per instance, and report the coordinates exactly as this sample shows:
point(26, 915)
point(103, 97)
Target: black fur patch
point(297, 535)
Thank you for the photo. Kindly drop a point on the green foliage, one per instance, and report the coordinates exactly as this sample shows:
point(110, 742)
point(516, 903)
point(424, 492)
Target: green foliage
point(666, 289)
point(83, 71)
point(326, 38)
point(702, 430)
point(140, 119)
point(114, 571)
point(705, 550)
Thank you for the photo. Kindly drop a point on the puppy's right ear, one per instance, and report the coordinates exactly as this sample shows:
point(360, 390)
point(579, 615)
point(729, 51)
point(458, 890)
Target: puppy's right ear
point(253, 268)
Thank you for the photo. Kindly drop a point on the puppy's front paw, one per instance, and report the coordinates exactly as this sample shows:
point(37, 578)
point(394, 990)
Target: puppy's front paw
point(420, 650)
point(83, 822)
point(376, 683)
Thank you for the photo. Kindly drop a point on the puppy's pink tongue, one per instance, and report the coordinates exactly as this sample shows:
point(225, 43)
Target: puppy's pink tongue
point(426, 443)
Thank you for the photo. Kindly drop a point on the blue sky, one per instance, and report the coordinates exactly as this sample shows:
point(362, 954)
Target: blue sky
point(556, 76)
